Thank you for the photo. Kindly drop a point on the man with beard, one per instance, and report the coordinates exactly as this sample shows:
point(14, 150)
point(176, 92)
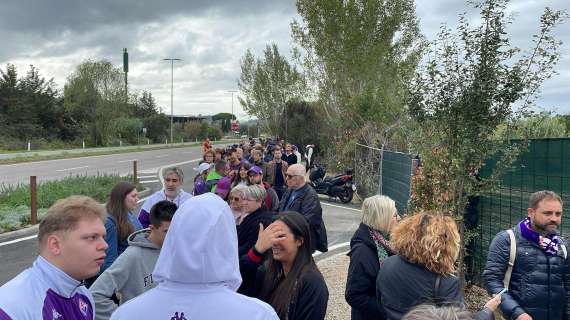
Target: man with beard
point(530, 260)
point(275, 172)
point(172, 191)
point(255, 176)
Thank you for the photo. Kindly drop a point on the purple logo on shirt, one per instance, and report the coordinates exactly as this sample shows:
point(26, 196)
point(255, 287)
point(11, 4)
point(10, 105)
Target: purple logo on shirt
point(77, 307)
point(176, 317)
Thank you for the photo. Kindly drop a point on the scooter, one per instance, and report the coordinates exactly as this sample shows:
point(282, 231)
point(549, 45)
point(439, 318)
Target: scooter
point(340, 186)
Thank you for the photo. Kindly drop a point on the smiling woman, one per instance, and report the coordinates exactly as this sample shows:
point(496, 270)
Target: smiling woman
point(290, 280)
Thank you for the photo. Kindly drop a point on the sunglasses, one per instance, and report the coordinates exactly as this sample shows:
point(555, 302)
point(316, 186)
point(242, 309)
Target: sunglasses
point(289, 176)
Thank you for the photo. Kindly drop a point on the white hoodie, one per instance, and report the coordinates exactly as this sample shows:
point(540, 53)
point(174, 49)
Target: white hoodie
point(197, 270)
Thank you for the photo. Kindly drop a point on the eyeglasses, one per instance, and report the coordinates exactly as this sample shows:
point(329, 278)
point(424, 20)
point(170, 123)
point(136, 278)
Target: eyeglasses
point(236, 199)
point(289, 176)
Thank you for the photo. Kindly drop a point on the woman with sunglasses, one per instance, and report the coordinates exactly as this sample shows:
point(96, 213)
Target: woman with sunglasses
point(250, 222)
point(289, 280)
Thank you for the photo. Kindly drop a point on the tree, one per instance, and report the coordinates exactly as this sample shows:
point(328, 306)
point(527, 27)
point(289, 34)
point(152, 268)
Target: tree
point(359, 55)
point(267, 85)
point(465, 91)
point(225, 120)
point(542, 125)
point(93, 95)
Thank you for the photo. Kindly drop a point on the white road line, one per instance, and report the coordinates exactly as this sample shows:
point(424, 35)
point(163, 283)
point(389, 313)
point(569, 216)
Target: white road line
point(337, 206)
point(331, 248)
point(69, 169)
point(148, 181)
point(18, 240)
point(147, 171)
point(130, 160)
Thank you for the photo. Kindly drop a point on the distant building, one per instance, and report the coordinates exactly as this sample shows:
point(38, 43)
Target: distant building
point(188, 118)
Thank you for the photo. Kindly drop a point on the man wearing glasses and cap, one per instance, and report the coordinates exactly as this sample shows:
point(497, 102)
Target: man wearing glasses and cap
point(301, 197)
point(255, 176)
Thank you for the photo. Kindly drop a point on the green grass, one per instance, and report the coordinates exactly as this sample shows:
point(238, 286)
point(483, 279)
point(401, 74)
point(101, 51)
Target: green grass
point(15, 201)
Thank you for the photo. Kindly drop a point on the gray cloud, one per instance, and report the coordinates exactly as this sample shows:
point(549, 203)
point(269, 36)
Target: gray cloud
point(209, 35)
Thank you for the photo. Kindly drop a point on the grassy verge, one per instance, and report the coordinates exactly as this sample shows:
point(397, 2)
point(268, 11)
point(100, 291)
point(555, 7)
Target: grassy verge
point(69, 155)
point(15, 201)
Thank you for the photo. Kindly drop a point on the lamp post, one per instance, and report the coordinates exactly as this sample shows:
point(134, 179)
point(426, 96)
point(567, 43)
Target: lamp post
point(232, 118)
point(171, 93)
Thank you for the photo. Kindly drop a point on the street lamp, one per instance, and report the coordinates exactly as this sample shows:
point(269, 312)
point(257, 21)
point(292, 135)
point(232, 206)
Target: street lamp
point(171, 93)
point(232, 117)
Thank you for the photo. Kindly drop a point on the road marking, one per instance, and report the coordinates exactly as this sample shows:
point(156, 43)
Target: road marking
point(337, 206)
point(69, 169)
point(152, 171)
point(146, 177)
point(130, 160)
point(148, 181)
point(331, 248)
point(18, 240)
point(162, 156)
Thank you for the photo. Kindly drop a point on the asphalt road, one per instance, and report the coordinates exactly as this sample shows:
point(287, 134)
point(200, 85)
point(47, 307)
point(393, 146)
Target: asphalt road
point(147, 162)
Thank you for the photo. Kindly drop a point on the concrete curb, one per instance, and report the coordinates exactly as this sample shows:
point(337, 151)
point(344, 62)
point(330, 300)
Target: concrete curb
point(333, 253)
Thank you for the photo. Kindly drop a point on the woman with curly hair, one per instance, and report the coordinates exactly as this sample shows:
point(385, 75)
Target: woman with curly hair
point(427, 246)
point(369, 247)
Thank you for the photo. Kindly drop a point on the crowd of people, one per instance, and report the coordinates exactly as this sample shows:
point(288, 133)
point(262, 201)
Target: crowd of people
point(240, 245)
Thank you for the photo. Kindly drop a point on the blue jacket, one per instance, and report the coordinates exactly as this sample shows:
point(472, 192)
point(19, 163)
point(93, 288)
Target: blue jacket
point(116, 247)
point(540, 284)
point(45, 292)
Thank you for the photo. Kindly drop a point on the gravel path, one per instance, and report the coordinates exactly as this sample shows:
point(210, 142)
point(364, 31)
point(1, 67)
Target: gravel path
point(334, 271)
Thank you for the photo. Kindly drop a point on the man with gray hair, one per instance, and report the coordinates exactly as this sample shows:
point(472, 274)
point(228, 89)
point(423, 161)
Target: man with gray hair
point(173, 177)
point(530, 260)
point(301, 197)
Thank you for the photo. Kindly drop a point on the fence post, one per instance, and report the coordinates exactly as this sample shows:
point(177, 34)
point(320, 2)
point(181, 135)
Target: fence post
point(29, 145)
point(135, 171)
point(381, 163)
point(83, 143)
point(147, 141)
point(33, 200)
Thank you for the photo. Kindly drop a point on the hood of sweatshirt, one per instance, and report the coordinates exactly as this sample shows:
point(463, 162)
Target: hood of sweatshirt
point(140, 239)
point(201, 246)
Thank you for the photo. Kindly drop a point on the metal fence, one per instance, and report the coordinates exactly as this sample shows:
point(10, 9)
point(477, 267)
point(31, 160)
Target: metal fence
point(379, 171)
point(546, 166)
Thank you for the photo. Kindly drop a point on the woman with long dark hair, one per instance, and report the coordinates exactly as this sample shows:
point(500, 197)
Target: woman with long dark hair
point(241, 177)
point(121, 222)
point(289, 280)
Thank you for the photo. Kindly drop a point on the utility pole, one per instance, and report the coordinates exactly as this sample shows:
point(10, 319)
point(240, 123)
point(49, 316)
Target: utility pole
point(126, 71)
point(171, 94)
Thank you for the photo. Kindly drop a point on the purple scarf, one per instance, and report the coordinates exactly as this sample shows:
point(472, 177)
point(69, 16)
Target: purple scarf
point(549, 243)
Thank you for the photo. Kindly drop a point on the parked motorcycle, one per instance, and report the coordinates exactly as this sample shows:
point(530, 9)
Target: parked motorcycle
point(340, 186)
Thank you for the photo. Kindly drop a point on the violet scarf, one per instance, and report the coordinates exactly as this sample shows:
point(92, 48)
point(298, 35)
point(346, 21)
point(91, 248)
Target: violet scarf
point(549, 244)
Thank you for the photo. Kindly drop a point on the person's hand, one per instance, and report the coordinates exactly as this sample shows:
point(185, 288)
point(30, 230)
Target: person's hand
point(524, 316)
point(268, 236)
point(493, 303)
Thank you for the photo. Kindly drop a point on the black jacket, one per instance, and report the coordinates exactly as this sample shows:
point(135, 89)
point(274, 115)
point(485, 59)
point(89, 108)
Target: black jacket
point(360, 290)
point(312, 299)
point(307, 203)
point(401, 285)
point(247, 233)
point(540, 284)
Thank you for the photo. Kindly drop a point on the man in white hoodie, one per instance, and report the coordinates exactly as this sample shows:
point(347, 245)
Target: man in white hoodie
point(131, 274)
point(197, 271)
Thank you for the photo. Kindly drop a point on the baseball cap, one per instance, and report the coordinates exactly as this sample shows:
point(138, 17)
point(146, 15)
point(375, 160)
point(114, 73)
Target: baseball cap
point(223, 187)
point(202, 167)
point(255, 169)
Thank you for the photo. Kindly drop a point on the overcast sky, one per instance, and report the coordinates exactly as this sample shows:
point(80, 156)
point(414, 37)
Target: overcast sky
point(210, 36)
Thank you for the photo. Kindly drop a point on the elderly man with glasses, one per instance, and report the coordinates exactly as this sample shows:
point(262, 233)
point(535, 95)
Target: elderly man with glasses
point(301, 197)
